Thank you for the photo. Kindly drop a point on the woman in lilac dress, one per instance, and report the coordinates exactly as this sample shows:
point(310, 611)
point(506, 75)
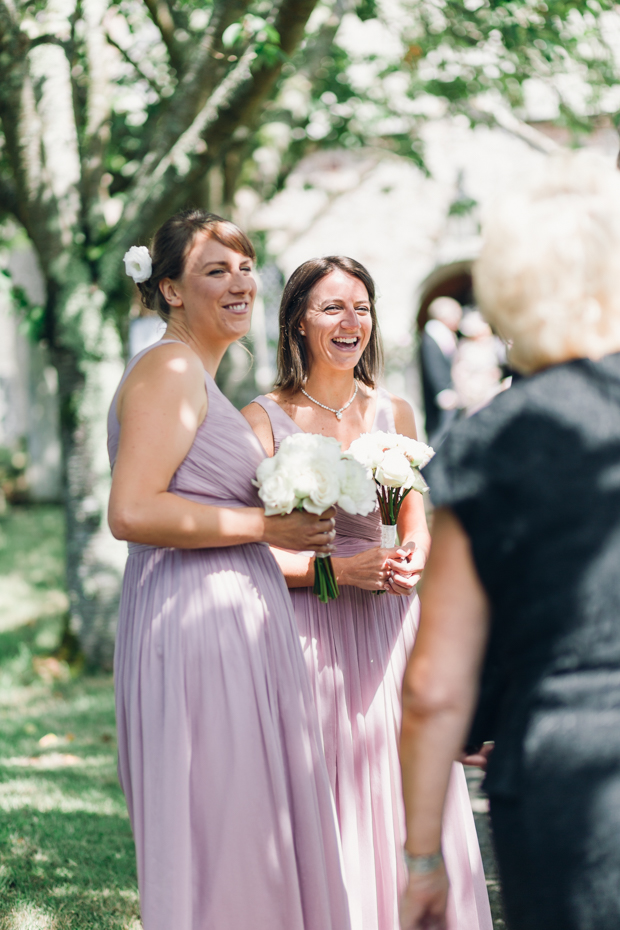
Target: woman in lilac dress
point(219, 750)
point(356, 647)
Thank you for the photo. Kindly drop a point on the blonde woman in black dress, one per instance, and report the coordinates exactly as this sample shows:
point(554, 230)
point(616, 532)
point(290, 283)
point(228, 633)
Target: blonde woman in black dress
point(523, 579)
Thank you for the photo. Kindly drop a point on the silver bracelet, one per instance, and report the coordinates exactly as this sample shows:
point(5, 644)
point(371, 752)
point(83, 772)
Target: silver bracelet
point(421, 865)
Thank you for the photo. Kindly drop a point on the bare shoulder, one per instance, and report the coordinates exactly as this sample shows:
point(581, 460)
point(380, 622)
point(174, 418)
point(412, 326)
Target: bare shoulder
point(404, 417)
point(172, 361)
point(258, 418)
point(168, 372)
point(255, 415)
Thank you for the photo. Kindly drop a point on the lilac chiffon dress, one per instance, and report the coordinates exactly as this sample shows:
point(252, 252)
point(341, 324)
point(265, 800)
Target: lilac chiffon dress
point(219, 749)
point(356, 649)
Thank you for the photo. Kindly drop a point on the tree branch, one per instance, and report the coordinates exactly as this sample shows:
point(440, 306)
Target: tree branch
point(47, 40)
point(498, 115)
point(9, 201)
point(241, 109)
point(161, 14)
point(319, 46)
point(127, 57)
point(204, 73)
point(7, 22)
point(291, 22)
point(38, 201)
point(235, 105)
point(160, 189)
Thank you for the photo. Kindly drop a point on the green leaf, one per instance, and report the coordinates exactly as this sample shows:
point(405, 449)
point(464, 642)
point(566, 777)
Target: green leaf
point(233, 35)
point(367, 9)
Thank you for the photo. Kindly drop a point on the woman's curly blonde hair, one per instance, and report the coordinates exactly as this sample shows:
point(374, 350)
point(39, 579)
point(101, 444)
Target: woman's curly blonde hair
point(548, 276)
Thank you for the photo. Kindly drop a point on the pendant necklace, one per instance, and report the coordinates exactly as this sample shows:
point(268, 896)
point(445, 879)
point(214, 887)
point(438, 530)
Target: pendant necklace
point(331, 409)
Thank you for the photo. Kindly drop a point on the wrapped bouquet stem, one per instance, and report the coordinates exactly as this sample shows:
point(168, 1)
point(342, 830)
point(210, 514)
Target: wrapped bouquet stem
point(310, 472)
point(394, 461)
point(389, 505)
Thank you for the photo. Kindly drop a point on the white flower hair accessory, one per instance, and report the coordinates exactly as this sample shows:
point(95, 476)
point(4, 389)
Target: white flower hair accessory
point(138, 264)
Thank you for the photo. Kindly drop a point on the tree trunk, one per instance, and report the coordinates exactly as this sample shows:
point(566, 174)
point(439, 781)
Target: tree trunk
point(87, 379)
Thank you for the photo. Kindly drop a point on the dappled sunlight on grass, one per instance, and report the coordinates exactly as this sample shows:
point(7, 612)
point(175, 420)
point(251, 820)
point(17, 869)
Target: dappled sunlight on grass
point(21, 602)
point(42, 794)
point(67, 858)
point(28, 917)
point(66, 848)
point(31, 551)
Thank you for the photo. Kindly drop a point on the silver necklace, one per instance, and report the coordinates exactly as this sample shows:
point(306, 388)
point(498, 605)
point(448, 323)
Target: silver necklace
point(331, 409)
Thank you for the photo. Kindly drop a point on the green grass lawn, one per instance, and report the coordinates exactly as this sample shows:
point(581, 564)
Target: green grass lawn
point(66, 850)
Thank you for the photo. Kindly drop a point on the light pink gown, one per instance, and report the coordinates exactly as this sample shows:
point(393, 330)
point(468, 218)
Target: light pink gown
point(220, 755)
point(356, 649)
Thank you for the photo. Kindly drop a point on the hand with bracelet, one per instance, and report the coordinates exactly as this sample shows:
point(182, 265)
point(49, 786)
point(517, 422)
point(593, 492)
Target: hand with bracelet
point(423, 904)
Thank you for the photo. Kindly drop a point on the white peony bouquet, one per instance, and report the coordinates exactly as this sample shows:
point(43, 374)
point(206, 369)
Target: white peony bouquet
point(394, 462)
point(310, 472)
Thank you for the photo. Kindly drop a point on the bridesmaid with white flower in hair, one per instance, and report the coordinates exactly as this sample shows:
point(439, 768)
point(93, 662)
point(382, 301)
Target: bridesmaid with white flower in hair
point(219, 750)
point(356, 646)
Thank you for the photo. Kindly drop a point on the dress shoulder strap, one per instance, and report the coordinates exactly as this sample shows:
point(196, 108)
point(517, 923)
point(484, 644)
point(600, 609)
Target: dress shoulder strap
point(281, 424)
point(384, 417)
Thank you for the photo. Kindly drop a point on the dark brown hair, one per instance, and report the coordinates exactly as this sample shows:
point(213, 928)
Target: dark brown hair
point(292, 355)
point(171, 244)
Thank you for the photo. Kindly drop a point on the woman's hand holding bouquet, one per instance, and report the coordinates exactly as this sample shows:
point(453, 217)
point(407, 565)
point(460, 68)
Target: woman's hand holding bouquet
point(394, 461)
point(310, 472)
point(370, 569)
point(302, 531)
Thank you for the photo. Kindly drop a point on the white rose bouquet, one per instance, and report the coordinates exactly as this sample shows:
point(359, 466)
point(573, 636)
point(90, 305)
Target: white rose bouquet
point(394, 462)
point(310, 472)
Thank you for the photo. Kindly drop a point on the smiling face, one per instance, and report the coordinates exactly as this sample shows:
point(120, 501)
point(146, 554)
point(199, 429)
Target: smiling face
point(337, 324)
point(215, 294)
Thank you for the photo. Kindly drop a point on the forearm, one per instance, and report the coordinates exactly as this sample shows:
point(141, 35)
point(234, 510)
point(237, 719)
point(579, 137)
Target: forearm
point(297, 567)
point(429, 744)
point(440, 686)
point(168, 520)
point(419, 538)
point(412, 526)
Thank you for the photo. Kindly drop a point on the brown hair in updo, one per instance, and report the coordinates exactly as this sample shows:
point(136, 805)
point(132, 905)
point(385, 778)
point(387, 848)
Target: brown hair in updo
point(171, 244)
point(292, 355)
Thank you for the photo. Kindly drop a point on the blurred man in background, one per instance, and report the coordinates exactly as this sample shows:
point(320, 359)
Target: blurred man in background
point(437, 351)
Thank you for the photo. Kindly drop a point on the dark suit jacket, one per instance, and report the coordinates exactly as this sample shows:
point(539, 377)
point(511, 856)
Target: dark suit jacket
point(436, 377)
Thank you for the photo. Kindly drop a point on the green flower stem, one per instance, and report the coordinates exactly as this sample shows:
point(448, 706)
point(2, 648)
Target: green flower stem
point(325, 584)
